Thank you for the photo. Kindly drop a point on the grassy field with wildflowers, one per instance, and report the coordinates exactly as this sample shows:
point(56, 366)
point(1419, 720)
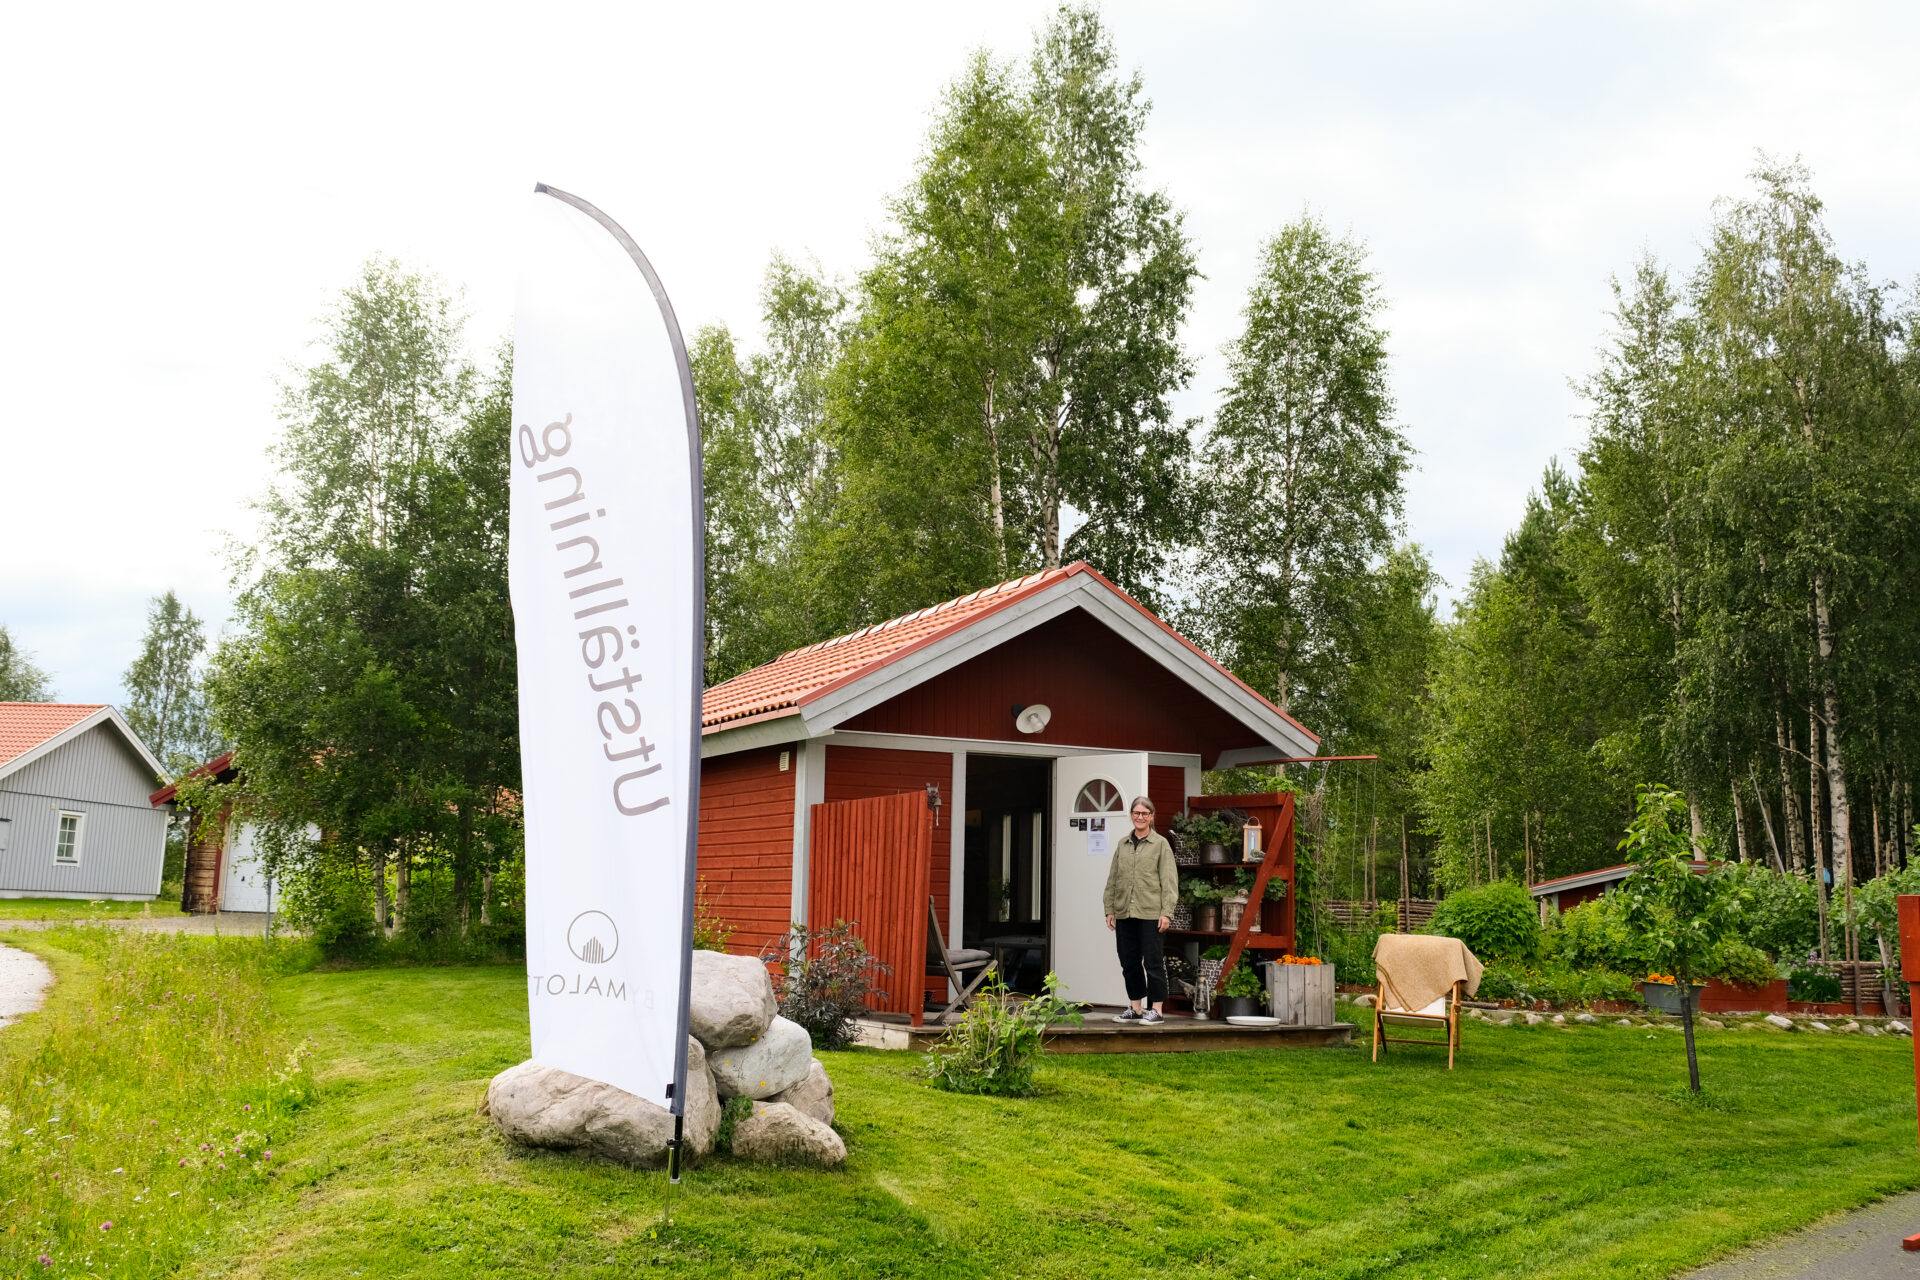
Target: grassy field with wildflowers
point(139, 1110)
point(1551, 1151)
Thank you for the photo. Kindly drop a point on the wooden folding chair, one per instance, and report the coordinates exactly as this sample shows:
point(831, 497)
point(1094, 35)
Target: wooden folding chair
point(954, 965)
point(1446, 1015)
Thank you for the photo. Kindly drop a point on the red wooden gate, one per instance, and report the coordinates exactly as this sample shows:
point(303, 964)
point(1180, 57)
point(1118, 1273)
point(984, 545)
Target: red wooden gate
point(868, 862)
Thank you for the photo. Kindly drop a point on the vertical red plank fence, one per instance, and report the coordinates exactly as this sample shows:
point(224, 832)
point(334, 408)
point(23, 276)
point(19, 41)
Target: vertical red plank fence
point(869, 861)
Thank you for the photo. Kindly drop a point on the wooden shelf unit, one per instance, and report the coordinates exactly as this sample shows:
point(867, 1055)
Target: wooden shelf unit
point(1273, 812)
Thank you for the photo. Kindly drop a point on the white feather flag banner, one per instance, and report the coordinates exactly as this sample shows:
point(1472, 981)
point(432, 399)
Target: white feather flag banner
point(607, 580)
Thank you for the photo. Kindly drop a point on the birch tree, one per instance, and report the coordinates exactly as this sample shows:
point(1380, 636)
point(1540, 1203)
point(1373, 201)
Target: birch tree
point(1303, 469)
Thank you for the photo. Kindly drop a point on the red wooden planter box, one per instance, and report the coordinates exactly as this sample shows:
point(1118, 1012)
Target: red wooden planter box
point(1724, 997)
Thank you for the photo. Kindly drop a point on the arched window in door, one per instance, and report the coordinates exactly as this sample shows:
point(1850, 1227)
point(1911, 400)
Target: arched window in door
point(1099, 796)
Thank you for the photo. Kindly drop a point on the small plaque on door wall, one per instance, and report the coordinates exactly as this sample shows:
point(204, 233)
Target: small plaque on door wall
point(1096, 836)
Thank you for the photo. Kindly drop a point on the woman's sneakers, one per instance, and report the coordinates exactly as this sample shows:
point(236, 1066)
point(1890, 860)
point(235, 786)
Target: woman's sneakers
point(1146, 1019)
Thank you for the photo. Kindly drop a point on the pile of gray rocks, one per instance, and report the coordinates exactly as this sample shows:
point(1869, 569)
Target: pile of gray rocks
point(739, 1048)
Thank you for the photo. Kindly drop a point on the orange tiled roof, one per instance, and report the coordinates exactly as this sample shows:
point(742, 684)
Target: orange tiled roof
point(801, 674)
point(25, 725)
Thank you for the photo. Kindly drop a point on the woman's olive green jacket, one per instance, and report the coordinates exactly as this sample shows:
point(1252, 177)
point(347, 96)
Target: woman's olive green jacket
point(1142, 883)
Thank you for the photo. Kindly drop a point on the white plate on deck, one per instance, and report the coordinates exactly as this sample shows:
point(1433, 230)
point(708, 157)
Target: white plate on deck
point(1251, 1020)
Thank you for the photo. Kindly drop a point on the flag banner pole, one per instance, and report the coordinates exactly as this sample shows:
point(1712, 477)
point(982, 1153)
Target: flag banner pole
point(607, 570)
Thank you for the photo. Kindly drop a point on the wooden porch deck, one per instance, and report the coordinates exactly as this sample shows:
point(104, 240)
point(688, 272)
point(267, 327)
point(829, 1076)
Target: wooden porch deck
point(1180, 1033)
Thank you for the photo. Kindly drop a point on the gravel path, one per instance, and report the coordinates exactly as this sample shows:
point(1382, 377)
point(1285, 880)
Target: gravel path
point(1864, 1245)
point(24, 979)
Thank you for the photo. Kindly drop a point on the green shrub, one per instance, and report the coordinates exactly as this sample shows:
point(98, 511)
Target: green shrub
point(1742, 965)
point(825, 978)
point(1595, 935)
point(1556, 984)
point(996, 1045)
point(1814, 985)
point(345, 929)
point(1773, 912)
point(1496, 921)
point(1350, 952)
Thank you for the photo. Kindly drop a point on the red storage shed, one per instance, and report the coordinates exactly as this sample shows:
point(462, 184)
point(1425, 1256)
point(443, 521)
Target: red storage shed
point(968, 752)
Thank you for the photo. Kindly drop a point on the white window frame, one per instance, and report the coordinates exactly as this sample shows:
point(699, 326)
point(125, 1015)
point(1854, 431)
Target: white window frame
point(79, 837)
point(6, 833)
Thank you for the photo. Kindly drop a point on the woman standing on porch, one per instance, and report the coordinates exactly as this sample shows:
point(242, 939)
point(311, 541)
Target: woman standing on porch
point(1142, 888)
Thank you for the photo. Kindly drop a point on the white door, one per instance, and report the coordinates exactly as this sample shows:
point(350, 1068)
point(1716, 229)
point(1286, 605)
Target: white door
point(1091, 795)
point(246, 881)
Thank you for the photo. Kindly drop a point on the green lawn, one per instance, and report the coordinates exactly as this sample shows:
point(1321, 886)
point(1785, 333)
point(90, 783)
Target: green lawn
point(78, 909)
point(1549, 1152)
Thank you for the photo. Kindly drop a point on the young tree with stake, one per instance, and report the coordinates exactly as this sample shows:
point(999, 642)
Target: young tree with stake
point(1682, 916)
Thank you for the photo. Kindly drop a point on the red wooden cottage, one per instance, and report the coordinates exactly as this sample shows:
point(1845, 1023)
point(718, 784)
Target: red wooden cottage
point(970, 752)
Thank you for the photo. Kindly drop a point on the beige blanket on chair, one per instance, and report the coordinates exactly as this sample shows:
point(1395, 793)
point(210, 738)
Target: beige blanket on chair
point(1415, 970)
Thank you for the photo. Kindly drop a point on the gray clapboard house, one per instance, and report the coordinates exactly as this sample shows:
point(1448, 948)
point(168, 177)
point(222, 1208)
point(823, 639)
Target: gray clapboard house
point(76, 815)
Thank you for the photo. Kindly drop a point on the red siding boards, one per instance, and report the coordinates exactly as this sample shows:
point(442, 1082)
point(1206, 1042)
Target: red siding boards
point(1103, 691)
point(746, 845)
point(859, 773)
point(868, 862)
point(1167, 788)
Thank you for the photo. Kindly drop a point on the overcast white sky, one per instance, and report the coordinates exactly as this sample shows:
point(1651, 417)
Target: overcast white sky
point(187, 187)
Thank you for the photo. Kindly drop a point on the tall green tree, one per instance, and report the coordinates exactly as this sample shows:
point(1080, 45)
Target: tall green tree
point(21, 679)
point(1521, 708)
point(1304, 471)
point(1017, 343)
point(770, 469)
point(165, 705)
point(370, 686)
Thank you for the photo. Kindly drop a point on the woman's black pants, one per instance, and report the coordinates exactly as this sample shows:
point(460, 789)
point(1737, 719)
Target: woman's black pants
point(1142, 963)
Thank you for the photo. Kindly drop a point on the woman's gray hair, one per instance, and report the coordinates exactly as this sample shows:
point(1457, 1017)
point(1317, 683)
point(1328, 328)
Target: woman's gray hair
point(1142, 800)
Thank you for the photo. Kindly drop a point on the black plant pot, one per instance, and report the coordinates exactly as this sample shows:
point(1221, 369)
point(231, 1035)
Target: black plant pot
point(1239, 1007)
point(1206, 916)
point(1214, 855)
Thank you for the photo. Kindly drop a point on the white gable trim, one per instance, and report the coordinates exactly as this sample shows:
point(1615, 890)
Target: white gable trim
point(105, 715)
point(1076, 591)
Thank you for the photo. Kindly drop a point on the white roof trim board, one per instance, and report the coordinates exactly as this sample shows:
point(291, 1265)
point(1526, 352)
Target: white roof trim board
point(105, 715)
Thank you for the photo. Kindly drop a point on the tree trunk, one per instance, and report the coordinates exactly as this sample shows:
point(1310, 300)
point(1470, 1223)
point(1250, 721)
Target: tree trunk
point(402, 885)
point(1739, 819)
point(1789, 796)
point(1766, 816)
point(1815, 810)
point(381, 915)
point(1685, 983)
point(994, 492)
point(1879, 845)
point(486, 896)
point(1842, 832)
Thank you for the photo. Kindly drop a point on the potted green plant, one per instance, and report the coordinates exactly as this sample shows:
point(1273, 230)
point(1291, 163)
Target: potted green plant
point(1244, 993)
point(1205, 897)
point(1215, 837)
